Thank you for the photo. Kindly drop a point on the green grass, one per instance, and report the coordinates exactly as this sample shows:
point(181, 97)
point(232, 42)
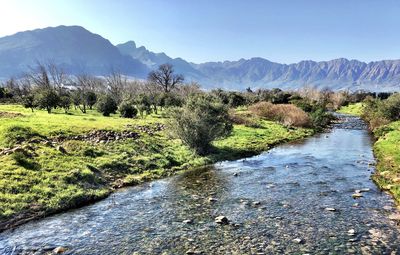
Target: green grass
point(386, 150)
point(353, 109)
point(41, 179)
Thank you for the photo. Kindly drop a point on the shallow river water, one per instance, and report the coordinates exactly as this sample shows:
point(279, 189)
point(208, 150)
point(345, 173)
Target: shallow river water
point(276, 203)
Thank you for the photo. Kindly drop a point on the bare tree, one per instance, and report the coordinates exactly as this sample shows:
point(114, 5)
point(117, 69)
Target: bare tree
point(116, 84)
point(165, 78)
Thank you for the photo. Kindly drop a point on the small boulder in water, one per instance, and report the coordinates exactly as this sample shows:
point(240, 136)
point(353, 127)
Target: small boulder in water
point(221, 220)
point(298, 240)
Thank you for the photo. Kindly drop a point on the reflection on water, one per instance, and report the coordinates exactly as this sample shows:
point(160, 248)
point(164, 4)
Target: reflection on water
point(270, 200)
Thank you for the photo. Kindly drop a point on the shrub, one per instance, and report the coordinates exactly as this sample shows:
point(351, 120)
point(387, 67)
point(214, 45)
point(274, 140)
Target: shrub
point(287, 114)
point(390, 108)
point(199, 122)
point(127, 110)
point(107, 105)
point(320, 118)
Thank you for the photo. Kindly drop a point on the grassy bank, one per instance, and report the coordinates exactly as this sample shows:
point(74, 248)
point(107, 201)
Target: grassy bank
point(59, 165)
point(386, 150)
point(353, 109)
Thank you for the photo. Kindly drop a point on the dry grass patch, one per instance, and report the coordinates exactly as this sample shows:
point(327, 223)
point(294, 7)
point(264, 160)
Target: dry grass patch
point(287, 114)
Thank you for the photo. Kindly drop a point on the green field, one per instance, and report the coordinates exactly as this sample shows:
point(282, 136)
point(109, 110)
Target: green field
point(41, 178)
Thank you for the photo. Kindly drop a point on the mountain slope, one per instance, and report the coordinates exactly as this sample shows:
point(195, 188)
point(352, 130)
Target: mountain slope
point(72, 47)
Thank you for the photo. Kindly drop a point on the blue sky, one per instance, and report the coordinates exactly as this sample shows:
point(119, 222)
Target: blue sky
point(283, 31)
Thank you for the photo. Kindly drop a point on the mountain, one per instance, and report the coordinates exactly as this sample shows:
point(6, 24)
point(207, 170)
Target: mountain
point(78, 50)
point(153, 60)
point(71, 47)
point(335, 74)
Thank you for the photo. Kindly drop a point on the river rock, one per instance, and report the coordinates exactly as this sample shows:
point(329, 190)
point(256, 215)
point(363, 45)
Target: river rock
point(62, 149)
point(211, 199)
point(221, 220)
point(59, 250)
point(351, 232)
point(395, 216)
point(357, 195)
point(297, 240)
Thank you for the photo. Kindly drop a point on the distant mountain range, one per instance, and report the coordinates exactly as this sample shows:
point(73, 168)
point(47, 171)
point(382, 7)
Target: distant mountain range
point(77, 50)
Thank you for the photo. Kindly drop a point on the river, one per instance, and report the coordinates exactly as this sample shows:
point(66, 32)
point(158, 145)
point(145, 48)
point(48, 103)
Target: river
point(294, 199)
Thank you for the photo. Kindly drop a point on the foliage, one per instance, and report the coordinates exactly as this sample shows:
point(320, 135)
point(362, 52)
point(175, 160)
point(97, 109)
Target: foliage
point(107, 105)
point(199, 122)
point(47, 98)
point(127, 109)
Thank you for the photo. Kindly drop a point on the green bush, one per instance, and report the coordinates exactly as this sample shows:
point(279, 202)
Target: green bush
point(107, 105)
point(199, 122)
point(320, 118)
point(127, 110)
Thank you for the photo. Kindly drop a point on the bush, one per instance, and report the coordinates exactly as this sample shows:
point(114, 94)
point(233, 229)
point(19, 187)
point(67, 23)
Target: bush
point(107, 105)
point(320, 118)
point(199, 122)
point(390, 108)
point(287, 114)
point(127, 110)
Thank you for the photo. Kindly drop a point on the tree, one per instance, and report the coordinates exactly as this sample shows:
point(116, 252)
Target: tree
point(199, 122)
point(143, 104)
point(91, 99)
point(116, 84)
point(107, 105)
point(165, 78)
point(65, 102)
point(47, 98)
point(28, 101)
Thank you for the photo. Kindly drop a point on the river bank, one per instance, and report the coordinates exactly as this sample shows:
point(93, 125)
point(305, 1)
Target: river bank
point(68, 161)
point(295, 198)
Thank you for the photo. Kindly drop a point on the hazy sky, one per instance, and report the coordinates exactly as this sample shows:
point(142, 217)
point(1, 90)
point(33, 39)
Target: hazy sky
point(207, 30)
